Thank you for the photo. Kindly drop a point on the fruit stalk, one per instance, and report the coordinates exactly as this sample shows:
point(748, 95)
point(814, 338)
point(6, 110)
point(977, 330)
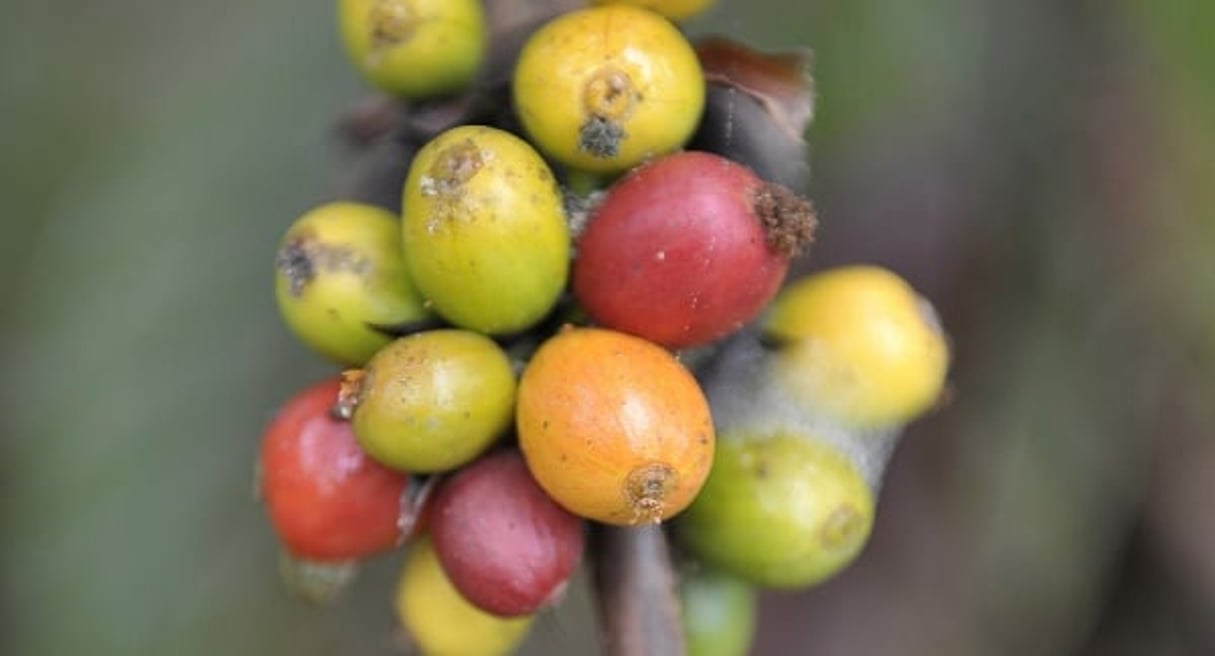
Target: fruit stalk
point(635, 591)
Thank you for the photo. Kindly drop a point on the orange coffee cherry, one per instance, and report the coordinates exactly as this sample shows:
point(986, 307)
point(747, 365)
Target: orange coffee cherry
point(613, 427)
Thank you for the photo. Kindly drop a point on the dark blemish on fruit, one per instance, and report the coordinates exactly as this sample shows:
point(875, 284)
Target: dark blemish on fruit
point(293, 262)
point(788, 219)
point(601, 137)
point(761, 470)
point(302, 259)
point(392, 23)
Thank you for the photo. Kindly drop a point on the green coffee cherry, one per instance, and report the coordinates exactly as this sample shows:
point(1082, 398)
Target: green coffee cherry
point(341, 281)
point(485, 230)
point(719, 612)
point(414, 49)
point(782, 510)
point(431, 401)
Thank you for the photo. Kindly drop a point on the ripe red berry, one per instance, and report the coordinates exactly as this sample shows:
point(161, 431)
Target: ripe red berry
point(505, 545)
point(327, 500)
point(687, 249)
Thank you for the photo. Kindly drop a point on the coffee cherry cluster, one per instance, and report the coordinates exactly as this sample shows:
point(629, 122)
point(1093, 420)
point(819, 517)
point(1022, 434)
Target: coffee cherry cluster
point(573, 316)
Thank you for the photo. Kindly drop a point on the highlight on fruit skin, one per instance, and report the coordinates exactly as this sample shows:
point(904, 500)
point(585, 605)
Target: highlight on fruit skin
point(485, 233)
point(673, 9)
point(505, 545)
point(613, 427)
point(688, 248)
point(780, 510)
point(341, 280)
point(603, 89)
point(720, 612)
point(414, 49)
point(859, 346)
point(431, 401)
point(441, 622)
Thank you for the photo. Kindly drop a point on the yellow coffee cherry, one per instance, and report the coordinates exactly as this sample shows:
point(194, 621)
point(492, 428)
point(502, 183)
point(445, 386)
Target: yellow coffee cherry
point(339, 275)
point(414, 49)
point(858, 346)
point(485, 230)
point(605, 88)
point(440, 622)
point(673, 9)
point(783, 510)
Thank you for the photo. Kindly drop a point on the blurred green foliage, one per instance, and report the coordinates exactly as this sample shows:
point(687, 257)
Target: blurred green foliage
point(153, 152)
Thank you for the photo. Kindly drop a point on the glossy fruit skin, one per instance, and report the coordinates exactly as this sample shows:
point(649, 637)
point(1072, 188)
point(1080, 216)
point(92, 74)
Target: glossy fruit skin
point(432, 401)
point(414, 49)
point(780, 510)
point(613, 427)
point(327, 500)
point(439, 621)
point(504, 544)
point(719, 612)
point(485, 230)
point(605, 88)
point(858, 345)
point(339, 272)
point(672, 9)
point(676, 252)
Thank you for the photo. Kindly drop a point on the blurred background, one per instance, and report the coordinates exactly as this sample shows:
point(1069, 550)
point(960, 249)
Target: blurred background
point(1041, 169)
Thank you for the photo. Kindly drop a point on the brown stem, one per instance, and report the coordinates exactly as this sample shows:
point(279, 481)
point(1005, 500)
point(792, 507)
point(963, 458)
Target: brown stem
point(635, 588)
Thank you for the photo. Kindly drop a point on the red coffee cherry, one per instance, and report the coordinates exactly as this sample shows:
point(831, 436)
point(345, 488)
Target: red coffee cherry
point(327, 500)
point(505, 545)
point(687, 249)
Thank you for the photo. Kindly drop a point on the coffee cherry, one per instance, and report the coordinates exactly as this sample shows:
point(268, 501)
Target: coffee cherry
point(327, 500)
point(431, 401)
point(613, 427)
point(858, 345)
point(505, 545)
point(673, 9)
point(341, 280)
point(603, 89)
point(719, 612)
point(780, 510)
point(688, 248)
point(485, 231)
point(414, 48)
point(440, 621)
